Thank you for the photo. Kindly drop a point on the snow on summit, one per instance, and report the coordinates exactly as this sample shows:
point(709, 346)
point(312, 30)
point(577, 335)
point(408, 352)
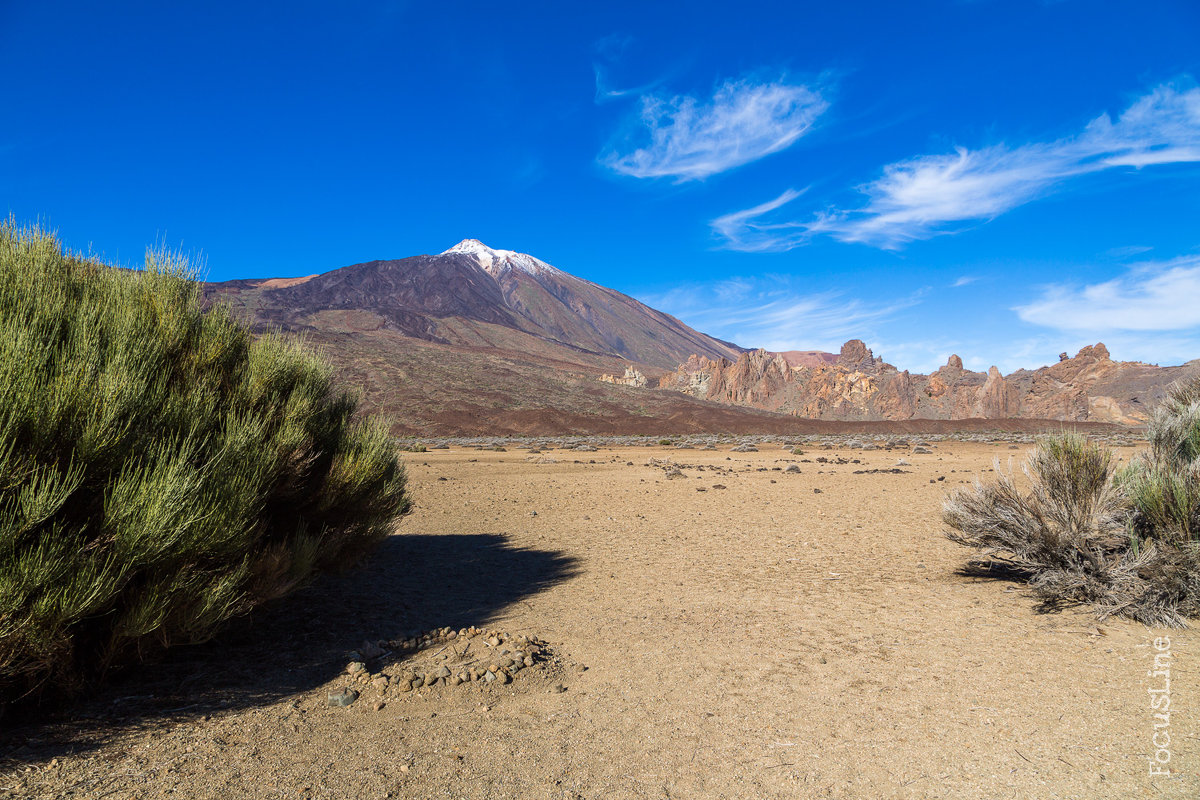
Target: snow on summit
point(496, 261)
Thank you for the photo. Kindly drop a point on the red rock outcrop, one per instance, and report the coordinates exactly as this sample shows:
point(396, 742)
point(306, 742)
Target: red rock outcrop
point(859, 386)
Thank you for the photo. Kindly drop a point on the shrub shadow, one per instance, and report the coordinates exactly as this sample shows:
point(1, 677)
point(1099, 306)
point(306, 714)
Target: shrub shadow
point(410, 582)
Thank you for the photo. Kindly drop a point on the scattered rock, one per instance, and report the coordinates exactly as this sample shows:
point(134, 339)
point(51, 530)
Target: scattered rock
point(355, 667)
point(816, 491)
point(342, 699)
point(921, 451)
point(793, 469)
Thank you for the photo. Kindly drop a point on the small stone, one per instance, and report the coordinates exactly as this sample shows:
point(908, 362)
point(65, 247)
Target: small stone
point(442, 672)
point(456, 680)
point(503, 676)
point(816, 491)
point(792, 468)
point(581, 668)
point(528, 661)
point(404, 686)
point(355, 667)
point(342, 699)
point(493, 641)
point(379, 705)
point(558, 688)
point(489, 676)
point(380, 683)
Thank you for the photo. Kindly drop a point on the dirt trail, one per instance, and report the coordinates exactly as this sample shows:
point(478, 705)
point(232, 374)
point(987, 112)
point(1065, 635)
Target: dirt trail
point(762, 640)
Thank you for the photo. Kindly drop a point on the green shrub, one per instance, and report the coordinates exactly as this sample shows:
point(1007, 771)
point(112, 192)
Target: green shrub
point(665, 442)
point(413, 448)
point(1122, 541)
point(160, 470)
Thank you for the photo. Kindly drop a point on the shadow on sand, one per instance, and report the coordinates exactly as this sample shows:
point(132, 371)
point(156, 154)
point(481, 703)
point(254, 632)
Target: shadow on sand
point(412, 582)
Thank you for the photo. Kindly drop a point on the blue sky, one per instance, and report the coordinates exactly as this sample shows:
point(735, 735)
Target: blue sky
point(1002, 180)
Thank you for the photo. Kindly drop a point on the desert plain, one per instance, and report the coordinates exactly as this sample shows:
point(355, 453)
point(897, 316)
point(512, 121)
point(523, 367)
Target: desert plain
point(737, 630)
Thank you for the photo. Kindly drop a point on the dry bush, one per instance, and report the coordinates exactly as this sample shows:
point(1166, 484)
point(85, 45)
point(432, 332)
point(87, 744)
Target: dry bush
point(1123, 542)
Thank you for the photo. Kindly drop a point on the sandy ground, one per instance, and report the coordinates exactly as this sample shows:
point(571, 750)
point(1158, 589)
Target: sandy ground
point(759, 641)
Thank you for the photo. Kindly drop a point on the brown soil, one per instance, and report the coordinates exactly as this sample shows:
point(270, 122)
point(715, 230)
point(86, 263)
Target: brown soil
point(762, 640)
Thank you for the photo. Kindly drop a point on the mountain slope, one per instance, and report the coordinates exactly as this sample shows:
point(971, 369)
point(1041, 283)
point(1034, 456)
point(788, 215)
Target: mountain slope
point(473, 295)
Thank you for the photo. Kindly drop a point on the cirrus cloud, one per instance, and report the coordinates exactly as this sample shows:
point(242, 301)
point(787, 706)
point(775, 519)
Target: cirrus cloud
point(928, 195)
point(688, 139)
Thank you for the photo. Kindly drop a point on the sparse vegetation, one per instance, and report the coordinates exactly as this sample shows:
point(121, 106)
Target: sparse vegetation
point(413, 448)
point(1124, 541)
point(160, 470)
point(665, 442)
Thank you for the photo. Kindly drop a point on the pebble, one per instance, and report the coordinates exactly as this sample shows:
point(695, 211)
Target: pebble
point(443, 672)
point(379, 705)
point(489, 676)
point(342, 699)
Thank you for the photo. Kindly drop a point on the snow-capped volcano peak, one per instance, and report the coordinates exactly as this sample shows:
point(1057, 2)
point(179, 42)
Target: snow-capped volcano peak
point(497, 261)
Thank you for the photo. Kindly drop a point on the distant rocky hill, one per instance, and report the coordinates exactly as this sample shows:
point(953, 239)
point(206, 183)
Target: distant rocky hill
point(476, 340)
point(855, 385)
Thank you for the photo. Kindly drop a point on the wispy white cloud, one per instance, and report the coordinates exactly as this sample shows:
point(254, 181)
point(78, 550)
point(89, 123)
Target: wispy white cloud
point(751, 230)
point(935, 194)
point(965, 280)
point(772, 312)
point(685, 138)
point(1153, 296)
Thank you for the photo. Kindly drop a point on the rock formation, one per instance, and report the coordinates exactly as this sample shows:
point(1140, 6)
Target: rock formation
point(859, 386)
point(632, 377)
